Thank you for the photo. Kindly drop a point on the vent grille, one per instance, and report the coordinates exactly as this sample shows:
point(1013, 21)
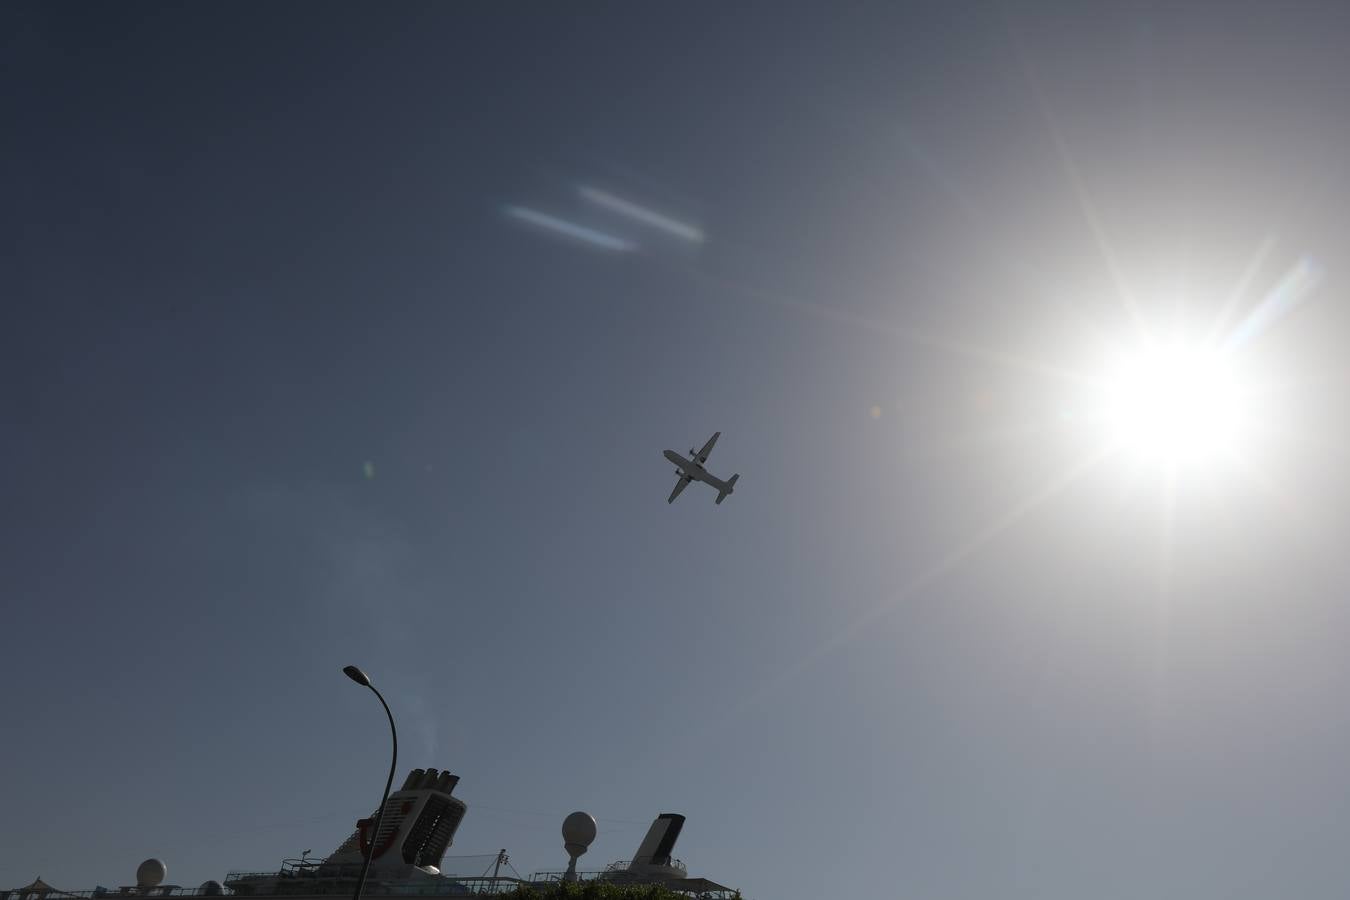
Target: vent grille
point(433, 831)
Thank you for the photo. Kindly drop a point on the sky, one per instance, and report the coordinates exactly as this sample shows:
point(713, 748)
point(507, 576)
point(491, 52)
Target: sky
point(341, 334)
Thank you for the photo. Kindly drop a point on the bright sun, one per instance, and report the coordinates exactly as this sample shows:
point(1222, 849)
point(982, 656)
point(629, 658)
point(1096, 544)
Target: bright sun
point(1174, 404)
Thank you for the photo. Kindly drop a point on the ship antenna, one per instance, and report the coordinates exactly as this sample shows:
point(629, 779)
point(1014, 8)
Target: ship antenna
point(501, 858)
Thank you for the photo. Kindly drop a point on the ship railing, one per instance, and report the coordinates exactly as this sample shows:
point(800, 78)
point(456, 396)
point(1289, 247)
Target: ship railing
point(452, 886)
point(666, 861)
point(268, 884)
point(292, 870)
point(312, 871)
point(696, 887)
point(111, 893)
point(555, 877)
point(617, 871)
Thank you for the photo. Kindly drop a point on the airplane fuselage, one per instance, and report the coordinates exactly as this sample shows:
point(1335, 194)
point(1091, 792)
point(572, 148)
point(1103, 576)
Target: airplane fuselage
point(691, 468)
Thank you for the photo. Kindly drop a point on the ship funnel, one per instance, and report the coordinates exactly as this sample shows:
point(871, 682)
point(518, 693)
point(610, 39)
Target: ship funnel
point(659, 844)
point(419, 824)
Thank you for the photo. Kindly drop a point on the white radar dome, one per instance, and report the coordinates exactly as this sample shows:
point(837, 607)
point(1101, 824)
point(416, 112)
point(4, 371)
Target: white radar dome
point(150, 873)
point(579, 828)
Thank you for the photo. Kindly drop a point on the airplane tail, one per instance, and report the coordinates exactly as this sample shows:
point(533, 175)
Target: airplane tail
point(731, 483)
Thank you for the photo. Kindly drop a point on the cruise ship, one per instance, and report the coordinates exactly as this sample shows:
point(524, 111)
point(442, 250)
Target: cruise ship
point(408, 859)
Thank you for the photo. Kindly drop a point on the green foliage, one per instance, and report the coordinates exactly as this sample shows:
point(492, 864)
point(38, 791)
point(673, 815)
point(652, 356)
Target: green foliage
point(595, 890)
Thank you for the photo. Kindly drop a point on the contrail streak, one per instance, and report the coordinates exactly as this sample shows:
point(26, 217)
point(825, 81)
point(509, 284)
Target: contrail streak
point(569, 229)
point(642, 214)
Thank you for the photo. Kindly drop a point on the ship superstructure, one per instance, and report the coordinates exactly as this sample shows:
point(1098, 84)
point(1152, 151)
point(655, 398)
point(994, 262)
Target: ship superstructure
point(408, 856)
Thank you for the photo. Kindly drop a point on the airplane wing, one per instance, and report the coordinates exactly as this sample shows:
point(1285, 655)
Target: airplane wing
point(679, 486)
point(707, 448)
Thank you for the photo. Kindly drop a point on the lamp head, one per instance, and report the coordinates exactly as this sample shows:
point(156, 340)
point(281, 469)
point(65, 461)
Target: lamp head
point(356, 675)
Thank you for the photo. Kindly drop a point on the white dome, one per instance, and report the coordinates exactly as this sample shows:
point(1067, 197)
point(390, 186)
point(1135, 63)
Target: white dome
point(150, 873)
point(579, 828)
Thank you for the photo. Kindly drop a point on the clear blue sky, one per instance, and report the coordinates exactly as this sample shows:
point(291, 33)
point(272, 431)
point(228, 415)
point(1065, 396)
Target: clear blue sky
point(924, 651)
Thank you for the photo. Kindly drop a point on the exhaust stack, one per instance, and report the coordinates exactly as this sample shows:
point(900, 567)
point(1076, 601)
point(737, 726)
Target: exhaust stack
point(420, 820)
point(653, 855)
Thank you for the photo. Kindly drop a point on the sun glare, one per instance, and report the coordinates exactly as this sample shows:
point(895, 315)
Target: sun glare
point(1174, 404)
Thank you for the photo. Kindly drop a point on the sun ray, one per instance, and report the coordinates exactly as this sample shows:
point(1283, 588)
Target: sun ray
point(941, 567)
point(974, 212)
point(1308, 531)
point(977, 215)
point(1162, 636)
point(1240, 288)
point(680, 747)
point(1077, 184)
point(908, 335)
point(983, 439)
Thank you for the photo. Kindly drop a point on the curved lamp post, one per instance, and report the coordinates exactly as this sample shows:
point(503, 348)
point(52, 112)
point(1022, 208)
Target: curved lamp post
point(362, 679)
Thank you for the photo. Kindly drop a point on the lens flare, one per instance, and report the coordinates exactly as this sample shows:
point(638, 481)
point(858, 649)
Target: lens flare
point(1297, 284)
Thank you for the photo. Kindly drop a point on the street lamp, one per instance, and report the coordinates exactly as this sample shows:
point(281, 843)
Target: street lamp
point(362, 679)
